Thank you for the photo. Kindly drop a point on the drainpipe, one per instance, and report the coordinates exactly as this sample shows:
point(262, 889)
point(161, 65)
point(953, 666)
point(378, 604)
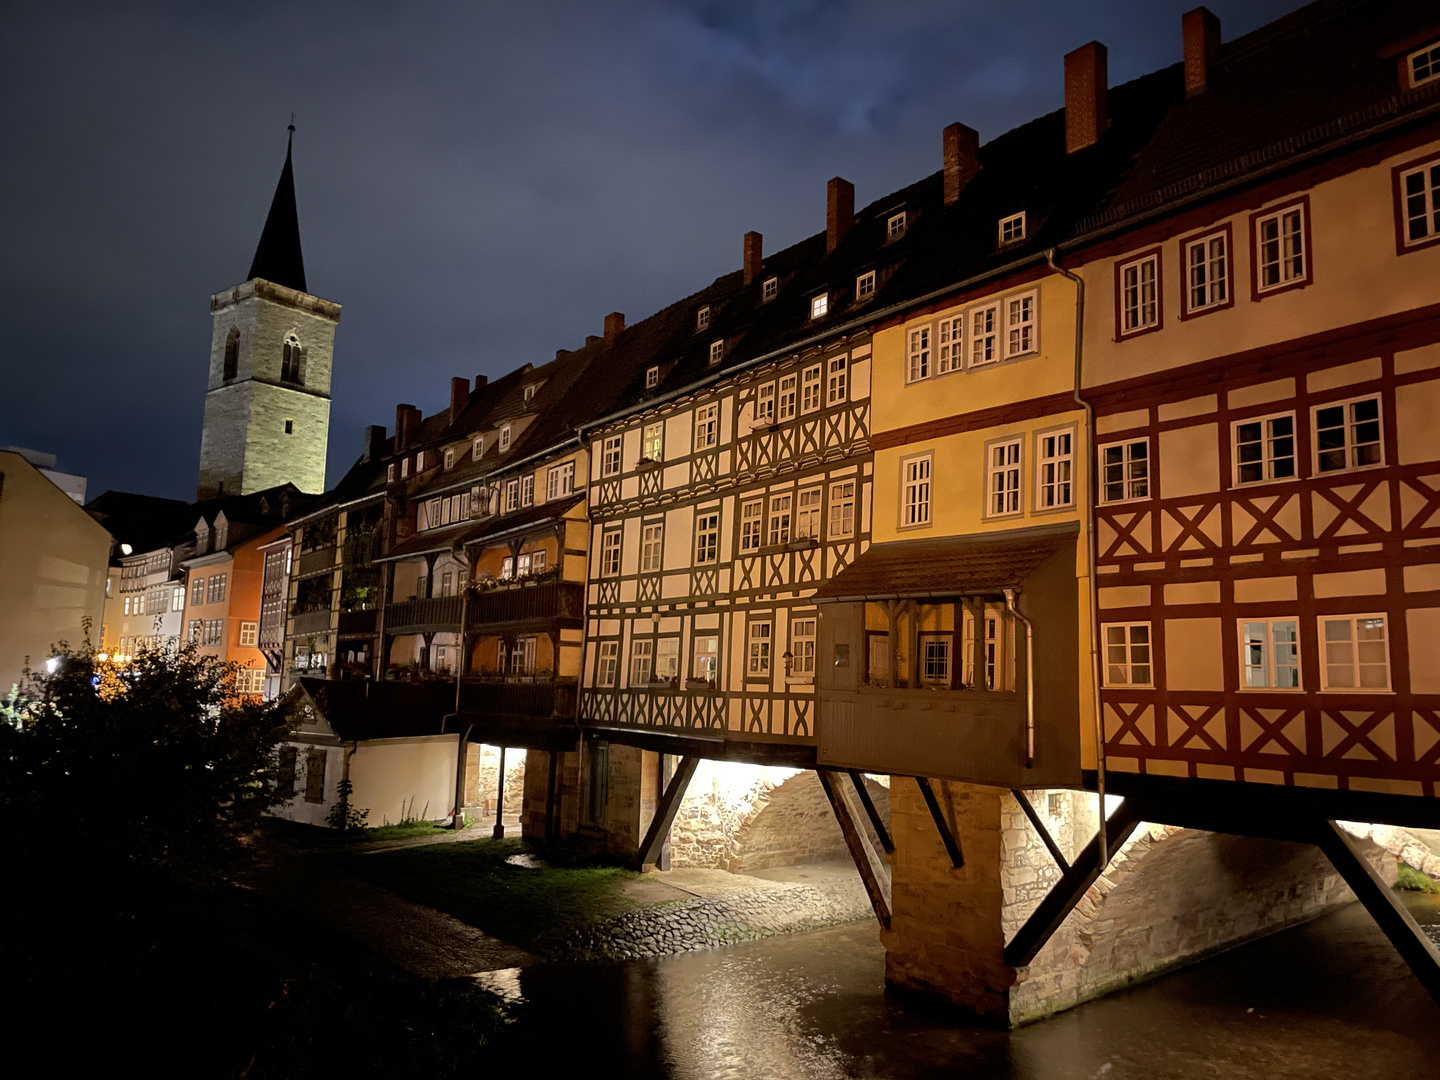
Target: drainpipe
point(461, 756)
point(1029, 676)
point(1090, 545)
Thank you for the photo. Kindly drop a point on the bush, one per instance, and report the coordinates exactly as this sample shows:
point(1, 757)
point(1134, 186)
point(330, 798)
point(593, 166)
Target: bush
point(1413, 880)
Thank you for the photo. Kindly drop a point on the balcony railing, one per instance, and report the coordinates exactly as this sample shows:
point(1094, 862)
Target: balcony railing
point(314, 562)
point(521, 602)
point(312, 622)
point(417, 616)
point(504, 698)
point(359, 622)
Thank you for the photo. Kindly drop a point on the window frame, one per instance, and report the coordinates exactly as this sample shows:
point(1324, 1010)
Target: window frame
point(652, 376)
point(1017, 467)
point(249, 634)
point(819, 306)
point(950, 344)
point(610, 455)
point(711, 657)
point(1129, 644)
point(812, 385)
point(1009, 219)
point(809, 518)
point(652, 441)
point(607, 662)
point(992, 335)
point(707, 536)
point(563, 477)
point(1345, 403)
point(1070, 457)
point(1137, 261)
point(792, 395)
point(803, 646)
point(652, 546)
point(642, 660)
point(1244, 642)
point(917, 512)
point(759, 649)
point(752, 526)
point(1204, 236)
point(717, 350)
point(837, 380)
point(1267, 460)
point(919, 350)
point(504, 437)
point(707, 418)
point(1432, 47)
point(702, 318)
point(839, 501)
point(1404, 245)
point(1258, 218)
point(1324, 657)
point(780, 520)
point(609, 556)
point(1125, 461)
point(865, 286)
point(769, 289)
point(1033, 295)
point(945, 640)
point(896, 226)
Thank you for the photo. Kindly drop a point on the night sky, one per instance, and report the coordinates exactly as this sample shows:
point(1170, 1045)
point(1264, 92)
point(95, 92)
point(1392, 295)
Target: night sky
point(478, 184)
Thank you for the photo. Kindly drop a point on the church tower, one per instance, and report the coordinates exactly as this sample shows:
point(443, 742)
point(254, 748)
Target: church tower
point(267, 406)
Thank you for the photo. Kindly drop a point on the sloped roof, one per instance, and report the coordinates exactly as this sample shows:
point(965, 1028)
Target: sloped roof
point(145, 522)
point(278, 258)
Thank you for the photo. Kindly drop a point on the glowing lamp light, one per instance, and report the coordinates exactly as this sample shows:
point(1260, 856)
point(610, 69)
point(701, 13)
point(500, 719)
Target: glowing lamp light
point(102, 657)
point(126, 549)
point(52, 665)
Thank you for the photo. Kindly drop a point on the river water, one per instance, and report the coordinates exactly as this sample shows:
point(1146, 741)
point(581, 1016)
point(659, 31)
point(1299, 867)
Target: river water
point(1327, 999)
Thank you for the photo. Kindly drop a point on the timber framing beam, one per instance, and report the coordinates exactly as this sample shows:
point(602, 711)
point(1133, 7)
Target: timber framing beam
point(1050, 844)
point(1066, 893)
point(876, 822)
point(873, 872)
point(1381, 902)
point(952, 846)
point(665, 812)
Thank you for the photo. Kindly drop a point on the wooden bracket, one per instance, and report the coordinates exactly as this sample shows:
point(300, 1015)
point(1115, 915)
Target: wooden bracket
point(873, 871)
point(665, 812)
point(952, 845)
point(874, 815)
point(1055, 852)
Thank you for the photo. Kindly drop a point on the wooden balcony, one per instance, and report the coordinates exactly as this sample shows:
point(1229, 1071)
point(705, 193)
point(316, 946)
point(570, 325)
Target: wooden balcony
point(315, 562)
point(359, 623)
point(311, 622)
point(439, 613)
point(515, 604)
point(506, 698)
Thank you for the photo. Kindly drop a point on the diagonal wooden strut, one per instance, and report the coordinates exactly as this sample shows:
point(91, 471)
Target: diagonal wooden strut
point(1380, 901)
point(1055, 852)
point(665, 812)
point(876, 822)
point(1066, 893)
point(873, 871)
point(952, 846)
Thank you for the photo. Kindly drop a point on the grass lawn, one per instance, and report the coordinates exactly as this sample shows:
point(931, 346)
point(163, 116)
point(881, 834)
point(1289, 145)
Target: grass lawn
point(471, 880)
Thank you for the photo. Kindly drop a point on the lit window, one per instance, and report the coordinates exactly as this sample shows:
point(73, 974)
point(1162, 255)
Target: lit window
point(642, 657)
point(807, 515)
point(667, 659)
point(652, 543)
point(652, 377)
point(1269, 654)
point(1424, 64)
point(1207, 272)
point(1055, 463)
point(1347, 435)
point(1127, 654)
point(1357, 654)
point(527, 492)
point(865, 286)
point(758, 661)
point(537, 563)
point(717, 351)
point(985, 335)
point(934, 659)
point(705, 663)
point(819, 305)
point(1125, 471)
point(751, 525)
point(607, 662)
point(507, 569)
point(1140, 295)
point(835, 389)
point(802, 648)
point(249, 634)
point(215, 589)
point(1020, 325)
point(560, 480)
point(951, 345)
point(1002, 477)
point(707, 427)
point(654, 442)
point(1280, 254)
point(1012, 228)
point(842, 509)
point(420, 462)
point(610, 553)
point(915, 493)
point(810, 384)
point(707, 537)
point(919, 354)
point(512, 495)
point(702, 318)
point(1420, 209)
point(390, 473)
point(990, 646)
point(505, 438)
point(788, 399)
point(610, 456)
point(405, 468)
point(769, 288)
point(1265, 449)
point(781, 508)
point(177, 599)
point(895, 226)
point(765, 404)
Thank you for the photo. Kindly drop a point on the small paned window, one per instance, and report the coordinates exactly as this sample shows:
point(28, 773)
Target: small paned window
point(717, 350)
point(707, 537)
point(705, 661)
point(918, 366)
point(1269, 654)
point(1127, 654)
point(1357, 653)
point(512, 495)
point(702, 318)
point(990, 646)
point(652, 546)
point(1280, 255)
point(810, 386)
point(842, 509)
point(197, 591)
point(788, 396)
point(642, 661)
point(769, 289)
point(934, 659)
point(652, 377)
point(781, 510)
point(895, 226)
point(865, 286)
point(315, 776)
point(449, 459)
point(610, 456)
point(1265, 449)
point(1420, 208)
point(505, 437)
point(1125, 471)
point(752, 516)
point(758, 658)
point(527, 493)
point(607, 663)
point(1055, 464)
point(1424, 64)
point(390, 473)
point(1002, 481)
point(249, 634)
point(807, 515)
point(1347, 435)
point(950, 345)
point(707, 427)
point(560, 480)
point(610, 553)
point(1140, 295)
point(654, 442)
point(215, 589)
point(802, 648)
point(477, 448)
point(915, 491)
point(765, 404)
point(1207, 272)
point(819, 305)
point(1012, 228)
point(835, 388)
point(667, 659)
point(1020, 325)
point(985, 335)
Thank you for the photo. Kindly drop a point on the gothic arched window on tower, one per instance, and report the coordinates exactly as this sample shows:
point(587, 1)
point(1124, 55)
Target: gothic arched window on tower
point(232, 353)
point(292, 361)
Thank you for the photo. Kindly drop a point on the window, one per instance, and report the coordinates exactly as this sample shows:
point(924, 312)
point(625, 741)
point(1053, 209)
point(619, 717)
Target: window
point(802, 648)
point(653, 443)
point(1020, 325)
point(477, 448)
point(819, 305)
point(215, 589)
point(915, 494)
point(250, 681)
point(607, 663)
point(984, 335)
point(390, 473)
point(1125, 471)
point(1207, 273)
point(781, 507)
point(707, 427)
point(807, 515)
point(610, 553)
point(865, 286)
point(192, 629)
point(177, 598)
point(232, 354)
point(1269, 654)
point(990, 647)
point(652, 377)
point(527, 492)
point(765, 405)
point(1347, 435)
point(292, 361)
point(810, 384)
point(249, 634)
point(918, 351)
point(758, 658)
point(522, 656)
point(895, 226)
point(504, 438)
point(1054, 486)
point(769, 289)
point(717, 350)
point(1424, 64)
point(842, 509)
point(702, 318)
point(667, 659)
point(1127, 654)
point(934, 659)
point(315, 776)
point(529, 393)
point(197, 591)
point(1012, 228)
point(1265, 449)
point(951, 345)
point(610, 456)
point(1281, 243)
point(419, 462)
point(652, 544)
point(642, 660)
point(835, 390)
point(1002, 477)
point(705, 662)
point(512, 495)
point(214, 632)
point(560, 480)
point(707, 537)
point(751, 515)
point(1357, 655)
point(537, 564)
point(1419, 206)
point(449, 459)
point(787, 397)
point(285, 783)
point(1138, 286)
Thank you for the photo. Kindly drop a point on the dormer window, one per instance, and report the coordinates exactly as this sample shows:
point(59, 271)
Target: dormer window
point(390, 473)
point(232, 354)
point(420, 462)
point(702, 318)
point(529, 393)
point(477, 448)
point(449, 459)
point(404, 468)
point(1424, 64)
point(717, 351)
point(505, 438)
point(769, 289)
point(865, 286)
point(292, 361)
point(652, 377)
point(1012, 228)
point(895, 226)
point(819, 305)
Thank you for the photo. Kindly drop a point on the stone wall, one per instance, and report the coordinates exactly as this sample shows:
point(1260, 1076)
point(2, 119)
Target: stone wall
point(482, 772)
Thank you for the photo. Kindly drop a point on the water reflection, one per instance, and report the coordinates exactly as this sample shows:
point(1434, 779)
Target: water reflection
point(1329, 999)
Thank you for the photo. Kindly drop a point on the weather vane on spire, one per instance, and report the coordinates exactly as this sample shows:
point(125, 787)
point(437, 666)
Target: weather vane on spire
point(292, 121)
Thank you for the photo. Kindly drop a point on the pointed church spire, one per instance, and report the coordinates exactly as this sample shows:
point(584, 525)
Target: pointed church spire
point(278, 257)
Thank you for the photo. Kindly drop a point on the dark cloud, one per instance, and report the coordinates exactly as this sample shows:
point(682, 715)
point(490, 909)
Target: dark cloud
point(478, 183)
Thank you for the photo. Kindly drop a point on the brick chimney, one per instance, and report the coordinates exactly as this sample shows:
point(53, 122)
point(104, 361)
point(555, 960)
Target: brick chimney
point(374, 442)
point(481, 381)
point(591, 339)
point(1201, 31)
point(839, 211)
point(1087, 81)
point(754, 244)
point(962, 159)
point(459, 396)
point(614, 324)
point(407, 418)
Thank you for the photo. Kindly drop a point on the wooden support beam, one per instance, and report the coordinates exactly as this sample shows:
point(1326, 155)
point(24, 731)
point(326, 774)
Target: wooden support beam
point(552, 794)
point(498, 832)
point(873, 872)
point(1055, 852)
point(952, 846)
point(1381, 902)
point(1066, 893)
point(874, 815)
point(666, 811)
